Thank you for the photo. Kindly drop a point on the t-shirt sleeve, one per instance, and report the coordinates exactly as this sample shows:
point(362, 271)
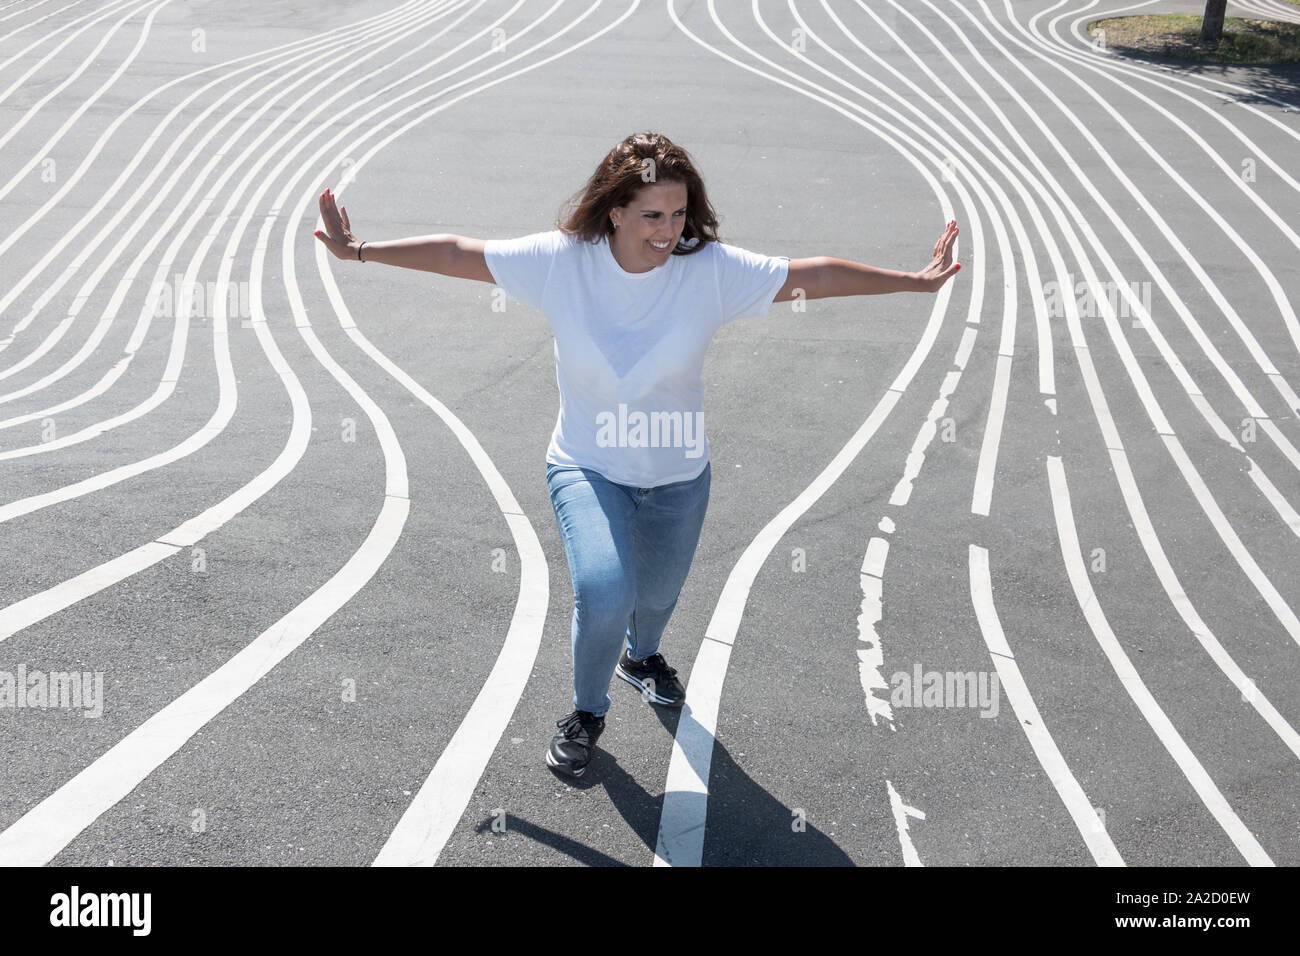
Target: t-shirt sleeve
point(748, 281)
point(521, 266)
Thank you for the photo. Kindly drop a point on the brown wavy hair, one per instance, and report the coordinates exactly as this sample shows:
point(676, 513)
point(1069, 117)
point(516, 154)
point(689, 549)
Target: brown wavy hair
point(619, 178)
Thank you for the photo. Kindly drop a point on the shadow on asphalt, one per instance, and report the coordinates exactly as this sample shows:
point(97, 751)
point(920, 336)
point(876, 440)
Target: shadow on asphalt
point(1281, 81)
point(761, 835)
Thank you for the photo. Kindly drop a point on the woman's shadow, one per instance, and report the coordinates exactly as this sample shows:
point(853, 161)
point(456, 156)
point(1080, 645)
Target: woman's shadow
point(765, 833)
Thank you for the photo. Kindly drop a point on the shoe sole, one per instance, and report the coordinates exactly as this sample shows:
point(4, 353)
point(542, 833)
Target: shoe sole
point(653, 697)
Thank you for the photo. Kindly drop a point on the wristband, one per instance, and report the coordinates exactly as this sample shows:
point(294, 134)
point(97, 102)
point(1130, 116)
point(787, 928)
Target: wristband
point(359, 259)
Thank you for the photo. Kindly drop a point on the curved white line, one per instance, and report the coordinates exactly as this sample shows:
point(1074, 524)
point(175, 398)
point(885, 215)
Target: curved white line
point(427, 824)
point(1082, 810)
point(24, 613)
point(693, 780)
point(680, 840)
point(1232, 175)
point(872, 569)
point(60, 87)
point(871, 657)
point(1233, 380)
point(27, 7)
point(1119, 459)
point(1077, 804)
point(44, 830)
point(1269, 10)
point(1258, 579)
point(303, 48)
point(1154, 715)
point(1169, 74)
point(104, 12)
point(44, 149)
point(176, 356)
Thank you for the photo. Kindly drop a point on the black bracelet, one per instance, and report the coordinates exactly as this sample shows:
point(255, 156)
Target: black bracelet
point(359, 259)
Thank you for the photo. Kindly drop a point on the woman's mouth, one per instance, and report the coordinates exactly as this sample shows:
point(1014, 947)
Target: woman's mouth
point(668, 244)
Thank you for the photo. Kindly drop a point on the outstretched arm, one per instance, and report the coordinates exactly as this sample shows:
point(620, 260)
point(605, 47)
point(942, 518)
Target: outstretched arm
point(825, 278)
point(444, 253)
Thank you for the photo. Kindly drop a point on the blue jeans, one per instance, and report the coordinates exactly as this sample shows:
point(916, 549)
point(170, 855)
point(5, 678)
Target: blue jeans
point(629, 550)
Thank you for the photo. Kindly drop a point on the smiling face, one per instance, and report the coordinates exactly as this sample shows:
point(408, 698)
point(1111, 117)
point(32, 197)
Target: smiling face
point(648, 227)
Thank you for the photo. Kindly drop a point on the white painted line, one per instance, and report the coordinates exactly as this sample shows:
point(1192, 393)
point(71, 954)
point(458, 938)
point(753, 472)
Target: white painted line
point(871, 658)
point(1164, 75)
point(227, 398)
point(686, 794)
point(422, 832)
point(1253, 571)
point(83, 251)
point(1278, 10)
point(41, 833)
point(901, 812)
point(1077, 804)
point(1253, 409)
point(1185, 314)
point(916, 457)
point(1132, 683)
point(681, 825)
point(47, 148)
point(61, 817)
point(35, 108)
point(105, 11)
point(1114, 328)
point(1264, 9)
point(874, 560)
point(27, 8)
point(1045, 340)
point(982, 494)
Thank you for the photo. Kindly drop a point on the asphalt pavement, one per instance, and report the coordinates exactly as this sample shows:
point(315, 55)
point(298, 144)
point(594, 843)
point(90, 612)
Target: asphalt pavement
point(304, 538)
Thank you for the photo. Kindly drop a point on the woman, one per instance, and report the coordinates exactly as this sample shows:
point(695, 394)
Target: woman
point(634, 281)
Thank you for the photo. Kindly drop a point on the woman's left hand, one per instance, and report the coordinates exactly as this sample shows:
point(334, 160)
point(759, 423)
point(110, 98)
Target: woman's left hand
point(942, 268)
point(338, 237)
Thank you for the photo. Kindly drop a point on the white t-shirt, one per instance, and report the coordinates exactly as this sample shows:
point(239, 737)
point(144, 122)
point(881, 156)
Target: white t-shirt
point(629, 347)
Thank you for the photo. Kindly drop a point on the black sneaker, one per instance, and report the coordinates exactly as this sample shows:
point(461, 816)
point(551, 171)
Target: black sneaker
point(657, 681)
point(571, 748)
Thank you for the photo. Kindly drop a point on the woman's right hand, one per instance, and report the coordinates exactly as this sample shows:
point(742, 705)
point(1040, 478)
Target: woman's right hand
point(337, 236)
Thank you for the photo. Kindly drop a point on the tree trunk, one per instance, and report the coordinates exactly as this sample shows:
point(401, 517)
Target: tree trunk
point(1212, 22)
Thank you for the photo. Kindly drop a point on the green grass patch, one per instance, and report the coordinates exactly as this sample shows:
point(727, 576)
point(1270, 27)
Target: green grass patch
point(1178, 36)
